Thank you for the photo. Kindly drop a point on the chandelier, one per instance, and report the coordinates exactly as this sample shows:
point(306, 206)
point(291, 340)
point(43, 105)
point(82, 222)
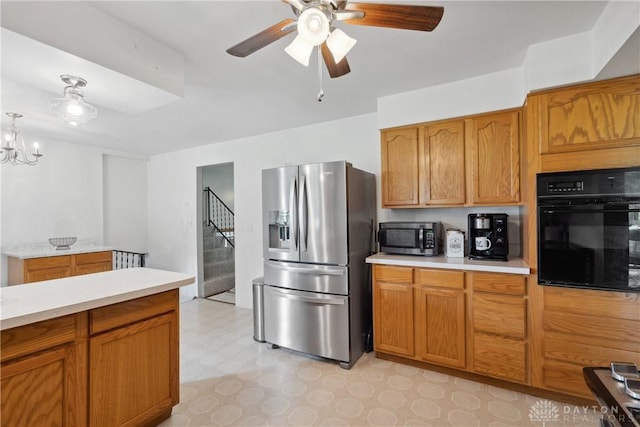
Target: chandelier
point(72, 109)
point(14, 150)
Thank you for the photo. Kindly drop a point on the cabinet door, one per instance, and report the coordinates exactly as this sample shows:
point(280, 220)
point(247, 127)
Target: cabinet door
point(442, 177)
point(47, 268)
point(133, 376)
point(494, 158)
point(393, 318)
point(440, 326)
point(399, 150)
point(44, 390)
point(587, 117)
point(94, 262)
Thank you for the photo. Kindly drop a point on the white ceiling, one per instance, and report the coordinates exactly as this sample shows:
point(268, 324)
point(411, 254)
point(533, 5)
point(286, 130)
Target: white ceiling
point(226, 97)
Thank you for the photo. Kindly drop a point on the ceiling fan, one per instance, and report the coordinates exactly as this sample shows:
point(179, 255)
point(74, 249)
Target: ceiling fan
point(314, 23)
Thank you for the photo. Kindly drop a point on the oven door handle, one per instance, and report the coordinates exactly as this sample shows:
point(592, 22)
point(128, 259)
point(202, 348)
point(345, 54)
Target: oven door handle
point(594, 211)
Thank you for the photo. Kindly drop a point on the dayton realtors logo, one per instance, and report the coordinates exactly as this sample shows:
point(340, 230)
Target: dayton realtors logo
point(544, 411)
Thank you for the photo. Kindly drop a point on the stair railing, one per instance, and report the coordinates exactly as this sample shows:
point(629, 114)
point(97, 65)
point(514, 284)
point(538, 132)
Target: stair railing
point(218, 215)
point(127, 259)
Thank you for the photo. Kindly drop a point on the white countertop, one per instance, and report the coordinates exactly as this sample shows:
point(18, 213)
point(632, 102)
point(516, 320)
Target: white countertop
point(39, 250)
point(512, 266)
point(34, 302)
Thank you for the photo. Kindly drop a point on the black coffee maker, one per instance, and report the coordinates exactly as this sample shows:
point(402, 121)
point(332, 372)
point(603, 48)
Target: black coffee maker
point(488, 236)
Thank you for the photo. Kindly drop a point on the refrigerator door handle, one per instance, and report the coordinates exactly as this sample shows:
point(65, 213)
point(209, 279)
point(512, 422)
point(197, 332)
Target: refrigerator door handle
point(303, 214)
point(312, 300)
point(315, 271)
point(293, 203)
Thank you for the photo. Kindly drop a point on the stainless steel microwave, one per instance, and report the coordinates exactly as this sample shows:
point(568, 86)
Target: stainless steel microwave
point(410, 238)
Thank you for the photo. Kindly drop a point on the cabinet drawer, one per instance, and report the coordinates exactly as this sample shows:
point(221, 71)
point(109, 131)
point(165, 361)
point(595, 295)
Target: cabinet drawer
point(499, 314)
point(93, 258)
point(35, 337)
point(500, 357)
point(502, 283)
point(47, 262)
point(47, 274)
point(385, 273)
point(115, 315)
point(440, 278)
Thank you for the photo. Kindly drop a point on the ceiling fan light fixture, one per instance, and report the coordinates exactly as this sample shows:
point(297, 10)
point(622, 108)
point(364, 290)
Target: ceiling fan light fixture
point(314, 26)
point(72, 109)
point(339, 43)
point(300, 50)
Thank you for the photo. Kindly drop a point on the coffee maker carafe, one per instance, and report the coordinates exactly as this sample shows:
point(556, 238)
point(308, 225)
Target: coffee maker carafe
point(488, 236)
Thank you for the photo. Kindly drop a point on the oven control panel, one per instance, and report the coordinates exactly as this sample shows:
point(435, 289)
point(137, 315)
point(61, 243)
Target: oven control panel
point(565, 186)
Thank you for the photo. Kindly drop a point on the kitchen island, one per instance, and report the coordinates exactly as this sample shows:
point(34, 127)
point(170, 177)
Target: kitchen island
point(99, 349)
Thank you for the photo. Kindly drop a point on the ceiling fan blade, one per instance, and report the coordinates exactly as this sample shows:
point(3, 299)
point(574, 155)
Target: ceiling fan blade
point(335, 70)
point(296, 4)
point(406, 17)
point(263, 38)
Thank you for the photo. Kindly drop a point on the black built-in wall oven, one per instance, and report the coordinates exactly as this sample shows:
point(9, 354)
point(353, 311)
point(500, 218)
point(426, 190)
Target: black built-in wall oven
point(589, 229)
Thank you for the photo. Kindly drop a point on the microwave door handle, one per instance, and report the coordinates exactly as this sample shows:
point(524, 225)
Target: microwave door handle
point(421, 239)
point(293, 191)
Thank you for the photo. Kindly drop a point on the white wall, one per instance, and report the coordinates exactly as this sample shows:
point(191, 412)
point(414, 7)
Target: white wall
point(62, 196)
point(220, 179)
point(125, 203)
point(172, 192)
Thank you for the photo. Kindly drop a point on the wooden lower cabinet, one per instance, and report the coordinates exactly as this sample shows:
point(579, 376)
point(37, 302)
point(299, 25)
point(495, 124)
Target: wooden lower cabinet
point(134, 372)
point(93, 262)
point(57, 267)
point(470, 321)
point(498, 319)
point(580, 328)
point(43, 377)
point(113, 366)
point(393, 305)
point(419, 314)
point(440, 331)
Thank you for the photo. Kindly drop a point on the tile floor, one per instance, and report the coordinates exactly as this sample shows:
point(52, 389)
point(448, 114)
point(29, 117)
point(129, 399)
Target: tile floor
point(228, 379)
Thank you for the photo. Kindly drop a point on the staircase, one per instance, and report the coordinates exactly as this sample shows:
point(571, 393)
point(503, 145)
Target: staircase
point(218, 246)
point(219, 262)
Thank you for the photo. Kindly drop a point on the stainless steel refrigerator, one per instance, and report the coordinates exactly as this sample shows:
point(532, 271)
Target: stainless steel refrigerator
point(318, 228)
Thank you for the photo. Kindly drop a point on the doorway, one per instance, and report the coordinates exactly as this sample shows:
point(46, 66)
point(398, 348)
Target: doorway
point(216, 260)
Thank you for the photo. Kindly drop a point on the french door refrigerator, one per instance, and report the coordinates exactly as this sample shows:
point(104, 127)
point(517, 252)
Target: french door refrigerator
point(318, 228)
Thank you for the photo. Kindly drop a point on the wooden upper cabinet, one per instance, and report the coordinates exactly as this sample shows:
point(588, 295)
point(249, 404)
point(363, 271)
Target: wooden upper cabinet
point(494, 158)
point(585, 117)
point(399, 149)
point(467, 161)
point(442, 175)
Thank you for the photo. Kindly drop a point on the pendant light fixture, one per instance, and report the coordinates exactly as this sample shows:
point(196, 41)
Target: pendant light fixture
point(14, 150)
point(72, 108)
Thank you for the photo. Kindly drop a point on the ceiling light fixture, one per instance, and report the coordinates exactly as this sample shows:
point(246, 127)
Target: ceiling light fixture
point(71, 108)
point(314, 28)
point(14, 150)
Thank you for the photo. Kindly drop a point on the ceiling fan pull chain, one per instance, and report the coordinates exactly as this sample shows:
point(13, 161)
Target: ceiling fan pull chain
point(321, 93)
